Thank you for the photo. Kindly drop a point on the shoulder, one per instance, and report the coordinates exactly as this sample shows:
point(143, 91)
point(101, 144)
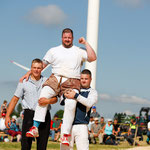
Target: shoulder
point(93, 91)
point(43, 78)
point(51, 50)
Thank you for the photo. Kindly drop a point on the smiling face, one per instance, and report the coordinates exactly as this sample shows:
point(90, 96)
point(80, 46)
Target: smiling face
point(36, 69)
point(85, 80)
point(67, 39)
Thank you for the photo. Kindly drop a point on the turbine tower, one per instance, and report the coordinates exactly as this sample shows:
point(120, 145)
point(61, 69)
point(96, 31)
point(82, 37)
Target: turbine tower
point(92, 34)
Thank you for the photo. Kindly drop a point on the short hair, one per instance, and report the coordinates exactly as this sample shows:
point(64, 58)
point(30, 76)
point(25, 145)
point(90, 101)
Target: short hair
point(5, 101)
point(86, 71)
point(67, 30)
point(102, 117)
point(36, 60)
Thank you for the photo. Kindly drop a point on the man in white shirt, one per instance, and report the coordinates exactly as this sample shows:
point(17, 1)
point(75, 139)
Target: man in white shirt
point(66, 61)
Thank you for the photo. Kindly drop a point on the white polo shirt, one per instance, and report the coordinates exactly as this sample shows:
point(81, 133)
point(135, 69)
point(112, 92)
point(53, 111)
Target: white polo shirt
point(66, 61)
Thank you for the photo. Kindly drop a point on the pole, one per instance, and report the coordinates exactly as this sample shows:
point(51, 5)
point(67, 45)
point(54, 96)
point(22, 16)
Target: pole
point(92, 34)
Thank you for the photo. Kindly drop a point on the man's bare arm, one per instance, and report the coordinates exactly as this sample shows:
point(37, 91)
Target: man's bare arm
point(44, 101)
point(10, 109)
point(90, 52)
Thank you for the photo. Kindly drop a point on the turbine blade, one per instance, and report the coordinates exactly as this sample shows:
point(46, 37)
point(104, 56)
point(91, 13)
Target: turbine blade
point(21, 66)
point(45, 68)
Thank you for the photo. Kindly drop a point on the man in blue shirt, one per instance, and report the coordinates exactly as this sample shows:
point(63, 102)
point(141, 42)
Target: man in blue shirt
point(29, 92)
point(85, 100)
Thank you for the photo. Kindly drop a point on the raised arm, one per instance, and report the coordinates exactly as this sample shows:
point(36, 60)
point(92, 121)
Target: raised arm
point(10, 109)
point(90, 52)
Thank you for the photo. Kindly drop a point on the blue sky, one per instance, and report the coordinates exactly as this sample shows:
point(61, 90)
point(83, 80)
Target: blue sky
point(29, 28)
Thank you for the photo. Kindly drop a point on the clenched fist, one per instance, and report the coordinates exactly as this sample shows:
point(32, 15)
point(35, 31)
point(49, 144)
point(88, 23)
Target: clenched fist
point(82, 40)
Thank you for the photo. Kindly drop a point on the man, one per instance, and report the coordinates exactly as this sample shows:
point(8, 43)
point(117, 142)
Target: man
point(66, 61)
point(85, 100)
point(56, 128)
point(95, 131)
point(102, 124)
point(94, 113)
point(19, 120)
point(116, 128)
point(29, 92)
point(131, 133)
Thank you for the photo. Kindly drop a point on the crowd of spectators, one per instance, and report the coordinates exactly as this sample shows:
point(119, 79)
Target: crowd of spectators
point(100, 131)
point(15, 127)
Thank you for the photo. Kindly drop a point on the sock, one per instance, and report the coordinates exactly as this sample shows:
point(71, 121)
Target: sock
point(36, 123)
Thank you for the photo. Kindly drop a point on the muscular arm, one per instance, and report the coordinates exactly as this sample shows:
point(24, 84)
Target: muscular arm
point(10, 109)
point(44, 101)
point(90, 52)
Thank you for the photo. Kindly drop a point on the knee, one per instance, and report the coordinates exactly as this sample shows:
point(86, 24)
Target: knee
point(70, 104)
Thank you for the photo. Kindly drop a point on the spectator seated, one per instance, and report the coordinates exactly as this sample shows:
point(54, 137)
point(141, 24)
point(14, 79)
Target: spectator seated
point(109, 137)
point(95, 131)
point(13, 130)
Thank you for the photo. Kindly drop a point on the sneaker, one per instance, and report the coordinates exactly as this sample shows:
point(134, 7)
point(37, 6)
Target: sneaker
point(64, 140)
point(33, 132)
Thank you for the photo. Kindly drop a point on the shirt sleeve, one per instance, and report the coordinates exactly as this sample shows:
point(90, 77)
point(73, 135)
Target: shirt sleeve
point(83, 53)
point(48, 56)
point(19, 90)
point(90, 100)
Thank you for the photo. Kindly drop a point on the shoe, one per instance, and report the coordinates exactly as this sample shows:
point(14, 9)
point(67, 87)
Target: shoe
point(33, 132)
point(136, 144)
point(64, 140)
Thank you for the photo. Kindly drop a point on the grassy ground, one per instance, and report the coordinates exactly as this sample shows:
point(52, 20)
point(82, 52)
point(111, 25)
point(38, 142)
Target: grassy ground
point(55, 146)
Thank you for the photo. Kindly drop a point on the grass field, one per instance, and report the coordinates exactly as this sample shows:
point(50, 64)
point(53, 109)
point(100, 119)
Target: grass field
point(55, 146)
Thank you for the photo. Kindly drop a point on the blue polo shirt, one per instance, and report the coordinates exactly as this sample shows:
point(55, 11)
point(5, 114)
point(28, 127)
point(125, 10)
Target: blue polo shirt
point(29, 92)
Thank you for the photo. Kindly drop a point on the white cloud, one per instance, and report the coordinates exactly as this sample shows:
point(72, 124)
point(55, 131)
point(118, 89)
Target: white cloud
point(133, 99)
point(104, 96)
point(130, 3)
point(125, 99)
point(50, 15)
